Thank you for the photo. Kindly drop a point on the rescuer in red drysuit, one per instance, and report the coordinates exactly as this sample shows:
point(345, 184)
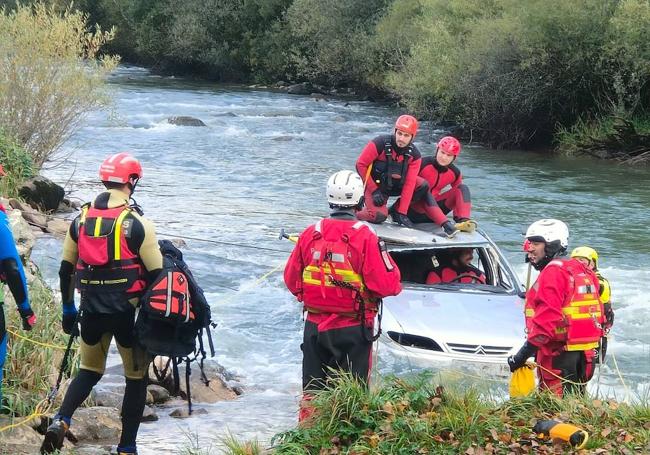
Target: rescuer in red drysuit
point(460, 270)
point(389, 166)
point(440, 172)
point(564, 314)
point(339, 270)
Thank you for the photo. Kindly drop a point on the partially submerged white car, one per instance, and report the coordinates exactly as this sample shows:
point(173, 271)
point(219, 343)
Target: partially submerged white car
point(454, 321)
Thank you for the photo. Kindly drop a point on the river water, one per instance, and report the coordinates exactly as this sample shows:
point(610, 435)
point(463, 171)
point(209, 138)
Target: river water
point(261, 164)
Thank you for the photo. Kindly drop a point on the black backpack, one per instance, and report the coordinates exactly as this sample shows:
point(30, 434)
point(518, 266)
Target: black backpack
point(173, 314)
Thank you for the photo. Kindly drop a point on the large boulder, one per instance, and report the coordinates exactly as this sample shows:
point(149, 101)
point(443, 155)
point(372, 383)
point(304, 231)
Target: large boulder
point(219, 386)
point(19, 440)
point(23, 235)
point(58, 226)
point(42, 194)
point(304, 88)
point(185, 120)
point(31, 215)
point(96, 424)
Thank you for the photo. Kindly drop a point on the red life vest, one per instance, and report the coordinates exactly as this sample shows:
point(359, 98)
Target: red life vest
point(332, 282)
point(447, 275)
point(582, 308)
point(106, 264)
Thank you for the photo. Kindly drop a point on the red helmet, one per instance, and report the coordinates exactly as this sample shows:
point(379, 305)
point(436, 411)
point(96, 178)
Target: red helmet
point(407, 123)
point(120, 168)
point(450, 145)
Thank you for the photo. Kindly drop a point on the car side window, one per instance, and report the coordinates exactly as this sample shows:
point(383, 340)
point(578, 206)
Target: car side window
point(502, 277)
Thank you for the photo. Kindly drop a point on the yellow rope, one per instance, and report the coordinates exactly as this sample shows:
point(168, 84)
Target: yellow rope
point(255, 283)
point(40, 410)
point(46, 345)
point(620, 376)
point(568, 381)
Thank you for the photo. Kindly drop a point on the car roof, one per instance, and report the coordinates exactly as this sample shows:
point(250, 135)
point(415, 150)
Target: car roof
point(427, 235)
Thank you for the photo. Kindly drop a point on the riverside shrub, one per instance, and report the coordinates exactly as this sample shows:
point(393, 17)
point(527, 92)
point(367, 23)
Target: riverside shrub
point(17, 163)
point(51, 74)
point(512, 72)
point(333, 43)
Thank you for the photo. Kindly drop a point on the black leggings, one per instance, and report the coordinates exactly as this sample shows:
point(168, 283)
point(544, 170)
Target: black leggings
point(135, 396)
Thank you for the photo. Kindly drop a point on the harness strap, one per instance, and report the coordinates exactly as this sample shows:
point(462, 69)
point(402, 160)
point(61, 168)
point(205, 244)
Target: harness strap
point(160, 374)
point(176, 376)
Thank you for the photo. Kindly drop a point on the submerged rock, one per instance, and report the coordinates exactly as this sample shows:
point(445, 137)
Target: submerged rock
point(185, 120)
point(149, 415)
point(183, 412)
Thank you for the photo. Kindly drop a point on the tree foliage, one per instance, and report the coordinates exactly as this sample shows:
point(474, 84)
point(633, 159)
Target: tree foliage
point(511, 72)
point(51, 74)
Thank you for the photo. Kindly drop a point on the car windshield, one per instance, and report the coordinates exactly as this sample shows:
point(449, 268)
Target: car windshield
point(471, 268)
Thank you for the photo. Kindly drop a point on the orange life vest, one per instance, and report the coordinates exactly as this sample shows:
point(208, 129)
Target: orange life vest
point(106, 264)
point(331, 283)
point(582, 309)
point(448, 274)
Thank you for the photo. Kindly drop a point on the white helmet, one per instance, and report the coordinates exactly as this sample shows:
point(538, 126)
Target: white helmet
point(344, 189)
point(554, 233)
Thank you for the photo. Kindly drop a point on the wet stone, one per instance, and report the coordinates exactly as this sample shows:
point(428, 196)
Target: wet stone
point(159, 393)
point(181, 413)
point(149, 415)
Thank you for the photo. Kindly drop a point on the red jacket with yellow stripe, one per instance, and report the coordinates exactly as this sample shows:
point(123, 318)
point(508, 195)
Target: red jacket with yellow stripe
point(563, 310)
point(336, 261)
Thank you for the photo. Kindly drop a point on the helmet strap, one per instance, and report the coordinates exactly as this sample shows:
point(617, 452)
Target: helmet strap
point(133, 182)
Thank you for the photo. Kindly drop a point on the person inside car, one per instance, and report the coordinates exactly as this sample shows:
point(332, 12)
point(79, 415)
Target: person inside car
point(459, 269)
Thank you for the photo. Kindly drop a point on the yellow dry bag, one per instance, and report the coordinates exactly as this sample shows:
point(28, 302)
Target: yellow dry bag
point(522, 382)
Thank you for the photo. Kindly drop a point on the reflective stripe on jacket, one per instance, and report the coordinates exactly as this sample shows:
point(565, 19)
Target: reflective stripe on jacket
point(337, 261)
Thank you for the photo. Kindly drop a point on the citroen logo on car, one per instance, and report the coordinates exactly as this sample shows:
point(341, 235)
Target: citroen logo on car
point(479, 350)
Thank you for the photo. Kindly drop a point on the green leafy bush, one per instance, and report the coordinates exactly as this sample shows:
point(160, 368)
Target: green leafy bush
point(51, 75)
point(17, 164)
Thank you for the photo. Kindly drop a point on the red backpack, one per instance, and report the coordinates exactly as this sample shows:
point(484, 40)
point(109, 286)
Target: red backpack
point(169, 298)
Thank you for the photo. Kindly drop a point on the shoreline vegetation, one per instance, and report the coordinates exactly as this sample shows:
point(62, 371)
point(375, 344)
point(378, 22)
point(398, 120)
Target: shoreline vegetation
point(537, 74)
point(428, 414)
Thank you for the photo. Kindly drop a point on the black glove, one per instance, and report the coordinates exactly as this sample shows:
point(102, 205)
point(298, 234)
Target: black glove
point(28, 318)
point(449, 228)
point(379, 198)
point(609, 315)
point(403, 220)
point(519, 359)
point(70, 327)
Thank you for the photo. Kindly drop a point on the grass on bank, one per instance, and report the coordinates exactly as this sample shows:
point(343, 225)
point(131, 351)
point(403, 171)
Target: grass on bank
point(31, 369)
point(415, 415)
point(626, 139)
